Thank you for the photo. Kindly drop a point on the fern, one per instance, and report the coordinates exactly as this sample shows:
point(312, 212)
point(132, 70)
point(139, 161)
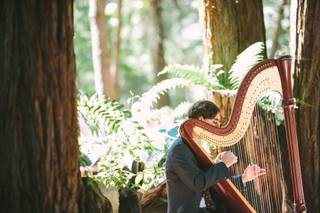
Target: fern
point(246, 60)
point(215, 79)
point(101, 111)
point(152, 96)
point(193, 74)
point(181, 110)
point(116, 139)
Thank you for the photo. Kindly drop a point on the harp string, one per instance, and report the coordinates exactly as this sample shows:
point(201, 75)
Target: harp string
point(280, 192)
point(270, 126)
point(261, 162)
point(272, 180)
point(260, 145)
point(259, 159)
point(283, 186)
point(264, 153)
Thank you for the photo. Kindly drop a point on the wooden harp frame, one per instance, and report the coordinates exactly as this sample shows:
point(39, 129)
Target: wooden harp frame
point(269, 75)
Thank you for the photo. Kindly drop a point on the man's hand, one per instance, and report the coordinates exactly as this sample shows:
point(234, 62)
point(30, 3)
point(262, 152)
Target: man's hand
point(228, 158)
point(252, 172)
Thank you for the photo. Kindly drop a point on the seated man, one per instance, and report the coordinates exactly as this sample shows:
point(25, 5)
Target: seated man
point(186, 181)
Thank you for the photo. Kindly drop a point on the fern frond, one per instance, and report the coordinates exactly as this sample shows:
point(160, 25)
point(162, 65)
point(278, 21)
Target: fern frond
point(178, 112)
point(102, 113)
point(179, 70)
point(193, 74)
point(246, 60)
point(181, 110)
point(152, 96)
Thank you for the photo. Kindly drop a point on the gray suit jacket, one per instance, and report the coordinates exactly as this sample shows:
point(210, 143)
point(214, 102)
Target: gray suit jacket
point(186, 181)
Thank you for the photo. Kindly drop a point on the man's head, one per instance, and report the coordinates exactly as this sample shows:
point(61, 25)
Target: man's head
point(205, 111)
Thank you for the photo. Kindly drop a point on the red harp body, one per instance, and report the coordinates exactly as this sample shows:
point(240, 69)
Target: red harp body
point(269, 75)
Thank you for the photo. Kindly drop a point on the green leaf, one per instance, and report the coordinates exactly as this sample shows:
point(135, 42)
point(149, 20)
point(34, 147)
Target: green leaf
point(246, 60)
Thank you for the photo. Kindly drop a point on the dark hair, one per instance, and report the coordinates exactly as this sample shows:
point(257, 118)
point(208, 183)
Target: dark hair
point(206, 109)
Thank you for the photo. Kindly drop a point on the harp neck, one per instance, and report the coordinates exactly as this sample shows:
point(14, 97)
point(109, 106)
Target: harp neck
point(269, 75)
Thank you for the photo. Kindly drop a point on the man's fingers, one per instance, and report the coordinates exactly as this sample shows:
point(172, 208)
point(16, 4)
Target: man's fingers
point(262, 172)
point(257, 171)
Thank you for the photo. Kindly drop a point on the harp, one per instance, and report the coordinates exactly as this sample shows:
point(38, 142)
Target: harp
point(269, 75)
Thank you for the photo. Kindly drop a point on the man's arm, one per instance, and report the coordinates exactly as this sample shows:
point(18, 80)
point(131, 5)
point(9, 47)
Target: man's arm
point(250, 173)
point(237, 180)
point(186, 167)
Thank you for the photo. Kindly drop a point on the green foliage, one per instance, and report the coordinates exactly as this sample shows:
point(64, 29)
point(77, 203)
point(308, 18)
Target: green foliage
point(181, 110)
point(215, 79)
point(182, 41)
point(231, 79)
point(94, 186)
point(136, 72)
point(102, 114)
point(194, 74)
point(271, 14)
point(84, 160)
point(115, 140)
point(272, 102)
point(246, 60)
point(153, 95)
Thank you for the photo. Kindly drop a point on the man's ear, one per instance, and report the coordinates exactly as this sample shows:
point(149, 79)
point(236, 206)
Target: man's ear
point(201, 118)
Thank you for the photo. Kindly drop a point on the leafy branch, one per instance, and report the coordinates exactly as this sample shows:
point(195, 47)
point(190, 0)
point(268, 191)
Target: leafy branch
point(116, 141)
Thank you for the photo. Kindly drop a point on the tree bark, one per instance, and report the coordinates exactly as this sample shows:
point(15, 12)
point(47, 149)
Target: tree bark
point(157, 46)
point(38, 119)
point(100, 56)
point(90, 201)
point(307, 90)
point(229, 27)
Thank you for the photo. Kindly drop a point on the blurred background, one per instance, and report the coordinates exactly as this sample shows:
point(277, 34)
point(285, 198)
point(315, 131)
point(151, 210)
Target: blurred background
point(176, 27)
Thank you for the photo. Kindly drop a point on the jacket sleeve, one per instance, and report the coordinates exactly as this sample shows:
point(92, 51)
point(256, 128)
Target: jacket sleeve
point(238, 182)
point(186, 167)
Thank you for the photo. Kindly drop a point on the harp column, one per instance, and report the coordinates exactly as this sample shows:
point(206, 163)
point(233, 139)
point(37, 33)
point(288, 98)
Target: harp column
point(284, 67)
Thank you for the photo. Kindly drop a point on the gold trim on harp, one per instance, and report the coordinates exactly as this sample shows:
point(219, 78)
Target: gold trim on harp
point(266, 81)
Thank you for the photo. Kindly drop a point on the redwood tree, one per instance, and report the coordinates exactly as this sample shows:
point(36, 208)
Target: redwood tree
point(230, 27)
point(39, 152)
point(307, 90)
point(103, 77)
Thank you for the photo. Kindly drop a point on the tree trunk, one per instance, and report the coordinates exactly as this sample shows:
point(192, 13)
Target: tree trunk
point(101, 65)
point(90, 201)
point(157, 47)
point(118, 48)
point(38, 120)
point(230, 27)
point(307, 89)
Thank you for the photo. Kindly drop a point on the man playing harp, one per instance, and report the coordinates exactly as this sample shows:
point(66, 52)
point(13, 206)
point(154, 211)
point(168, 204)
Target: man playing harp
point(186, 180)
